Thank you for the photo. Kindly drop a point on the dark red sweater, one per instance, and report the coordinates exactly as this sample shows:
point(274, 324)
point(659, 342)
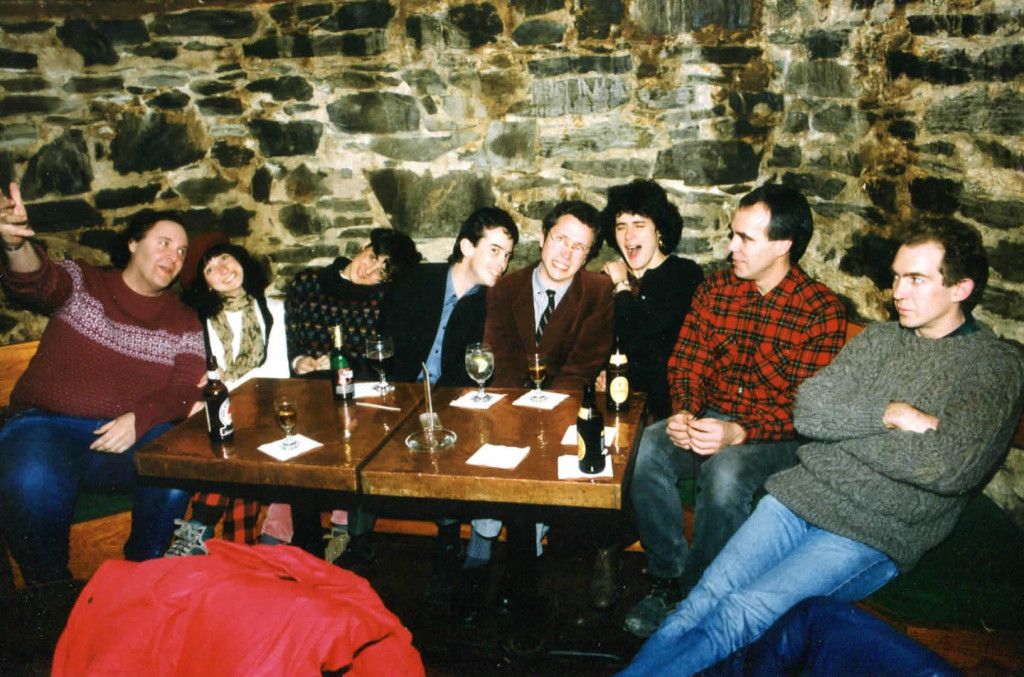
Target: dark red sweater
point(108, 350)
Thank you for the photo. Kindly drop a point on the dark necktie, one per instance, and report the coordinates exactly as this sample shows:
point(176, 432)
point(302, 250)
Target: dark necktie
point(546, 315)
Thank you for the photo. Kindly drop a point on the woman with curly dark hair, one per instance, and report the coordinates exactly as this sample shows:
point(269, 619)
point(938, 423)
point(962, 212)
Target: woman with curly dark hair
point(244, 330)
point(653, 288)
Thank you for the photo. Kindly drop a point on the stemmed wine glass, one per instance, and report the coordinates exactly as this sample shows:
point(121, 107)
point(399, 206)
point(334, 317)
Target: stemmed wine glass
point(381, 350)
point(479, 366)
point(287, 416)
point(536, 369)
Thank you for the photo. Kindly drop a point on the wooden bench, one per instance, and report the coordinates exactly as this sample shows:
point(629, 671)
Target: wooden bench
point(92, 541)
point(101, 536)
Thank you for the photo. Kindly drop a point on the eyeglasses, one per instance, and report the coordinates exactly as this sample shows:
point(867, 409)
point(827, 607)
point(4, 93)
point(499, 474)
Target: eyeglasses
point(381, 269)
point(577, 248)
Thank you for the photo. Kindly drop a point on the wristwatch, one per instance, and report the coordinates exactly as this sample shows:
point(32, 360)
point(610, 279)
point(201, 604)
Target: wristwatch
point(13, 247)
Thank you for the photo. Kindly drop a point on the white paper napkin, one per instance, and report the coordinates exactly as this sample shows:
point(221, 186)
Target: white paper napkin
point(498, 456)
point(367, 389)
point(280, 453)
point(569, 438)
point(549, 400)
point(569, 468)
point(467, 401)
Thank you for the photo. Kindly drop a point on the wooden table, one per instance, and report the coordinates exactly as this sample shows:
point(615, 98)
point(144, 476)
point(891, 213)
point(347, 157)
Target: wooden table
point(396, 471)
point(186, 453)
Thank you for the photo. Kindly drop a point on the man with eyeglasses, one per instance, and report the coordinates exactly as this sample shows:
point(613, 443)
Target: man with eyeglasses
point(566, 314)
point(554, 308)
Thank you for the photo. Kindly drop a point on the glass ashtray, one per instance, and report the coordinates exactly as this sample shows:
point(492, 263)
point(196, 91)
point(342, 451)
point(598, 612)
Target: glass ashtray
point(432, 440)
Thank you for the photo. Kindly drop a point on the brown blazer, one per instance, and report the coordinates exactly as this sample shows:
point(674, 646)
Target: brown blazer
point(576, 342)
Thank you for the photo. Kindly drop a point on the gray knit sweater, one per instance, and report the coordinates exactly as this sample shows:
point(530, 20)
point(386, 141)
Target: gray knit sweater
point(901, 492)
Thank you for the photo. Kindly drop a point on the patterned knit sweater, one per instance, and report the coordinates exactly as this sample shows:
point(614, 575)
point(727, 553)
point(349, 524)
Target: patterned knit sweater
point(901, 492)
point(107, 350)
point(318, 299)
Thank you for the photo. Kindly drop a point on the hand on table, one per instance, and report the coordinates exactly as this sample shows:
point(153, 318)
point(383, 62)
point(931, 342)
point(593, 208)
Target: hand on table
point(306, 364)
point(599, 383)
point(115, 436)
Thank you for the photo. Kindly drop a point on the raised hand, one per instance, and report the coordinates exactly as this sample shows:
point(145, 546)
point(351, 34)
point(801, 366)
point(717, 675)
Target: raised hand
point(13, 218)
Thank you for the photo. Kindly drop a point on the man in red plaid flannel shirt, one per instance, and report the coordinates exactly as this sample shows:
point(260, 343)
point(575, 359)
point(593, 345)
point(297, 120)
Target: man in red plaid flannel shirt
point(754, 333)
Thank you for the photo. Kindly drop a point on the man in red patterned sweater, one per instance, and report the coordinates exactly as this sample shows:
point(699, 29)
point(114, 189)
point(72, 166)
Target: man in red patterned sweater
point(119, 360)
point(754, 333)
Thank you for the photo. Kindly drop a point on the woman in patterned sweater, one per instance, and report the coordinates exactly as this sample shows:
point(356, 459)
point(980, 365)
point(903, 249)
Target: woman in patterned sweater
point(347, 292)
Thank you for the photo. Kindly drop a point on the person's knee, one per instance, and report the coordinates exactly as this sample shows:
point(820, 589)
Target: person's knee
point(653, 454)
point(724, 476)
point(27, 482)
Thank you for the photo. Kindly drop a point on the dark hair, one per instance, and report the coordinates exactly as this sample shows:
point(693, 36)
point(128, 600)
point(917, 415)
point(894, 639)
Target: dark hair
point(208, 302)
point(790, 215)
point(643, 198)
point(584, 213)
point(398, 247)
point(135, 231)
point(480, 220)
point(963, 256)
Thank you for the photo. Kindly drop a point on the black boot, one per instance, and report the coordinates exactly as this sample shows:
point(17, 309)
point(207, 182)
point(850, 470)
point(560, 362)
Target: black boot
point(359, 556)
point(604, 586)
point(446, 565)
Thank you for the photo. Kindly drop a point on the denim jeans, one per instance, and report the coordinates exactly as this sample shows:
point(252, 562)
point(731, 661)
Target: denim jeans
point(774, 561)
point(823, 637)
point(44, 460)
point(728, 481)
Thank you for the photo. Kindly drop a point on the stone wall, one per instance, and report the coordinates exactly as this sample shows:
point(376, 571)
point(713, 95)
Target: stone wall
point(298, 126)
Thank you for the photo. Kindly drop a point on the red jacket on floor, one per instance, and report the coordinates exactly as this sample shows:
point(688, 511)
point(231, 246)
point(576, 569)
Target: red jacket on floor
point(241, 610)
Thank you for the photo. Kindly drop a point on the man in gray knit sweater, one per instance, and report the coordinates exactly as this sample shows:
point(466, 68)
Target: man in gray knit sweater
point(906, 423)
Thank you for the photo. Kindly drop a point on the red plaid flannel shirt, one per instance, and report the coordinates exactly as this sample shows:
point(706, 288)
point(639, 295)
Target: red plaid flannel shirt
point(744, 355)
point(240, 515)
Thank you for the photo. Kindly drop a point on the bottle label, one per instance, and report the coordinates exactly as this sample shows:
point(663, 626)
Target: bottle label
point(226, 427)
point(619, 389)
point(581, 445)
point(343, 381)
point(585, 413)
point(618, 360)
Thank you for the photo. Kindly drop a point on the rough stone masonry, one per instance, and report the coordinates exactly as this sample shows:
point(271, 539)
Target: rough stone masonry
point(298, 126)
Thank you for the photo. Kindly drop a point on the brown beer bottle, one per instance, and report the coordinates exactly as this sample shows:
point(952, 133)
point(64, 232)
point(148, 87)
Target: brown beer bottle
point(218, 406)
point(590, 434)
point(616, 380)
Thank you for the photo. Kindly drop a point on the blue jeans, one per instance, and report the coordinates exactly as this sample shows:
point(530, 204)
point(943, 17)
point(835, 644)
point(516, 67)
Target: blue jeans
point(44, 460)
point(822, 637)
point(728, 480)
point(773, 562)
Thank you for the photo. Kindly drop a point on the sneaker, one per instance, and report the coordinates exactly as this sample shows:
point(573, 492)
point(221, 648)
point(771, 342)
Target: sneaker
point(337, 541)
point(648, 615)
point(190, 539)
